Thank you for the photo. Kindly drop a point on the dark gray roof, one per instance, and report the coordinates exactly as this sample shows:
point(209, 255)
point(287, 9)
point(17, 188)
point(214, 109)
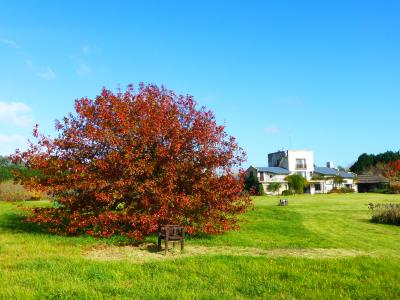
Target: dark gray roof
point(346, 175)
point(333, 172)
point(326, 171)
point(274, 170)
point(366, 178)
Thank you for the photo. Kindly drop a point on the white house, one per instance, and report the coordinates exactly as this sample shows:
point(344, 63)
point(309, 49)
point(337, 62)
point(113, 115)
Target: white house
point(284, 163)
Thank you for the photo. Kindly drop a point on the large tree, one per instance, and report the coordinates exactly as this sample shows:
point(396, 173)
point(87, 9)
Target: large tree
point(129, 162)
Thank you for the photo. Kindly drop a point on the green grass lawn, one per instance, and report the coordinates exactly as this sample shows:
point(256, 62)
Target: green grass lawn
point(320, 246)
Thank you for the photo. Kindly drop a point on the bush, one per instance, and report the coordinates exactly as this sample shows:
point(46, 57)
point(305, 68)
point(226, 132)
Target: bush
point(274, 187)
point(381, 191)
point(297, 183)
point(9, 191)
point(287, 193)
point(261, 191)
point(343, 190)
point(252, 185)
point(395, 188)
point(386, 213)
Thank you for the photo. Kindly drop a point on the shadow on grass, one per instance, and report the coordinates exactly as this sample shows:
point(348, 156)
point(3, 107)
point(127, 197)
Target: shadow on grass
point(153, 248)
point(16, 223)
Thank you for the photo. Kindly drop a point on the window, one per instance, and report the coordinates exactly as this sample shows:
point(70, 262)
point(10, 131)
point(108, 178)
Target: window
point(261, 176)
point(251, 174)
point(270, 176)
point(317, 187)
point(301, 163)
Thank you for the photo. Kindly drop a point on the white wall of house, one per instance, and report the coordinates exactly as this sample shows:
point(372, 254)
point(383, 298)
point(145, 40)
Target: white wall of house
point(283, 187)
point(295, 156)
point(270, 177)
point(327, 185)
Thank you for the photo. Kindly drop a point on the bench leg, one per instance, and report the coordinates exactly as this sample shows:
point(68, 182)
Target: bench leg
point(159, 244)
point(166, 246)
point(182, 244)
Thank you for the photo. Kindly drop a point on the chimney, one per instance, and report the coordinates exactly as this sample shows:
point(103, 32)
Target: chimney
point(329, 165)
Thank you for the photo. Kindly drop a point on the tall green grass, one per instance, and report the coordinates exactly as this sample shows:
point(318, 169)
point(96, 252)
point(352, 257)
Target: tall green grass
point(37, 265)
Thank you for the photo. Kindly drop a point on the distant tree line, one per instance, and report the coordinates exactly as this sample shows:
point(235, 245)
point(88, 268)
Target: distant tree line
point(366, 161)
point(8, 169)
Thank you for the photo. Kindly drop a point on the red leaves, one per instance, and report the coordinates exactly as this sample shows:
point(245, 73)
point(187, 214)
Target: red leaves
point(126, 163)
point(392, 169)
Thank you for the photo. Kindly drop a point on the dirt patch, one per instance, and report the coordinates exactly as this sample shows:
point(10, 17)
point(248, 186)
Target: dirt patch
point(148, 252)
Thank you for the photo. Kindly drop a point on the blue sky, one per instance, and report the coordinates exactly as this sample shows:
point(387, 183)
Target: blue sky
point(321, 75)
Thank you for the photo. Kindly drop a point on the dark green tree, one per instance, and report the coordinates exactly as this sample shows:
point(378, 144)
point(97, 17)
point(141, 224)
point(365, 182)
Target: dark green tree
point(366, 161)
point(251, 184)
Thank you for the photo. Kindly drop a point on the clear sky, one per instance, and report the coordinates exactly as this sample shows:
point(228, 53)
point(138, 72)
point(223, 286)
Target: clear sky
point(320, 75)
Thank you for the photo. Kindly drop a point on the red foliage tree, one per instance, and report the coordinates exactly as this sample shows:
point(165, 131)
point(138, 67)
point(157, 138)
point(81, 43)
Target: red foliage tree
point(392, 169)
point(129, 162)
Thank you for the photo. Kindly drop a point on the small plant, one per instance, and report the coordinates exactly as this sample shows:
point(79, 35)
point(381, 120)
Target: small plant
point(385, 213)
point(261, 191)
point(343, 190)
point(274, 187)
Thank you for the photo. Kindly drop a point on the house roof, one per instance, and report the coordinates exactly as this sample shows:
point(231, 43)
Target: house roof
point(274, 170)
point(333, 172)
point(325, 171)
point(371, 179)
point(346, 174)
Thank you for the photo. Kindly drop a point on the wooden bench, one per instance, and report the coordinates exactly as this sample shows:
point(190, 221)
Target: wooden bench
point(283, 202)
point(171, 233)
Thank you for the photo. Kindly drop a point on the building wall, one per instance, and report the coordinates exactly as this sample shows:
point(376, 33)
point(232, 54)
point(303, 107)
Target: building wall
point(301, 154)
point(328, 185)
point(250, 170)
point(275, 158)
point(283, 187)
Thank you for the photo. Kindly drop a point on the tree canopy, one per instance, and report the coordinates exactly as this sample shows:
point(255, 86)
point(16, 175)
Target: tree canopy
point(127, 162)
point(366, 161)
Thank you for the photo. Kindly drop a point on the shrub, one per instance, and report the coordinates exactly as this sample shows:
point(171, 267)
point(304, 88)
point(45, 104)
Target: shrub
point(383, 190)
point(274, 186)
point(342, 190)
point(9, 191)
point(252, 185)
point(395, 187)
point(386, 213)
point(126, 163)
point(287, 193)
point(297, 183)
point(261, 191)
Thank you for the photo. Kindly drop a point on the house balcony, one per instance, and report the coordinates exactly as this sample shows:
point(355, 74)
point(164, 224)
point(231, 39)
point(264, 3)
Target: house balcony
point(301, 167)
point(270, 180)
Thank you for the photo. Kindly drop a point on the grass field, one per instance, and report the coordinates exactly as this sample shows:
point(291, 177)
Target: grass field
point(319, 247)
